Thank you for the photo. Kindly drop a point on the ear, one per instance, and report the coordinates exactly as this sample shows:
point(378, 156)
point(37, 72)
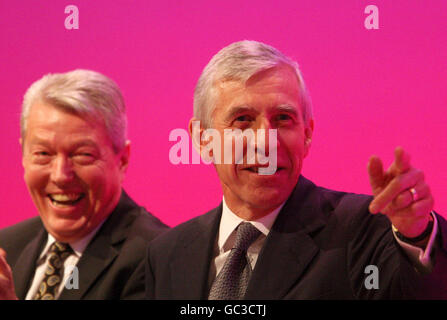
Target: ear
point(193, 126)
point(308, 132)
point(124, 158)
point(196, 132)
point(23, 151)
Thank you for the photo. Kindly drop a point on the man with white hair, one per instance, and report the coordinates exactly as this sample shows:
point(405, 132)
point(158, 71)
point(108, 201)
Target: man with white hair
point(278, 235)
point(90, 235)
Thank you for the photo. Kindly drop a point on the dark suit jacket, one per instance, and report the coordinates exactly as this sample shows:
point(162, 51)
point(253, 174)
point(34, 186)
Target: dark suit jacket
point(107, 268)
point(318, 248)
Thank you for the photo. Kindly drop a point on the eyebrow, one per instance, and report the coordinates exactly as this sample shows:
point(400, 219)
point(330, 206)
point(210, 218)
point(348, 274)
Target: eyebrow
point(36, 140)
point(287, 108)
point(77, 144)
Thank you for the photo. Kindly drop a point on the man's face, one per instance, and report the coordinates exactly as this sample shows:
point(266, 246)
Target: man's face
point(268, 100)
point(71, 171)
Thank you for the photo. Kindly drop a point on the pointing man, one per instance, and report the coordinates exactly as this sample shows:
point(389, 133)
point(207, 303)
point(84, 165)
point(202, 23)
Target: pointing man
point(278, 235)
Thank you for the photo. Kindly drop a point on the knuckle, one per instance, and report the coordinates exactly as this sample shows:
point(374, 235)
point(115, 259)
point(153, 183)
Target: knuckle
point(420, 175)
point(400, 201)
point(396, 184)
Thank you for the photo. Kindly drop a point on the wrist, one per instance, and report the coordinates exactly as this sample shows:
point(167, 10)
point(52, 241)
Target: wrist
point(417, 237)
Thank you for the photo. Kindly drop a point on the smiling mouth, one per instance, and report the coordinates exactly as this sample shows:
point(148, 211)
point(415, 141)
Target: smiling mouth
point(65, 200)
point(256, 169)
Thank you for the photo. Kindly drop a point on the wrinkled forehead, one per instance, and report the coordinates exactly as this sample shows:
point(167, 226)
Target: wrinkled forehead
point(47, 118)
point(280, 71)
point(43, 112)
point(279, 85)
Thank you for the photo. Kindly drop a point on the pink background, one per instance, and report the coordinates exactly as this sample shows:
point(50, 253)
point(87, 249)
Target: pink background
point(372, 89)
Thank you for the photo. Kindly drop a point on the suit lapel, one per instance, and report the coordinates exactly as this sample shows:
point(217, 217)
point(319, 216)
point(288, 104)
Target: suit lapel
point(190, 269)
point(25, 265)
point(289, 247)
point(102, 250)
point(94, 260)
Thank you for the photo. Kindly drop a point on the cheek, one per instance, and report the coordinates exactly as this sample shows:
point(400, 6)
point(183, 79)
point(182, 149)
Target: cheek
point(226, 173)
point(101, 182)
point(295, 143)
point(35, 178)
point(95, 180)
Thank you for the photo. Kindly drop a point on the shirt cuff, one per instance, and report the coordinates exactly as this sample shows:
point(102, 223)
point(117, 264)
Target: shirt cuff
point(421, 258)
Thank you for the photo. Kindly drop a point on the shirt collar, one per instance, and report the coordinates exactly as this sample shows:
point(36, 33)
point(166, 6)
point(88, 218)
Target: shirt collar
point(77, 246)
point(229, 222)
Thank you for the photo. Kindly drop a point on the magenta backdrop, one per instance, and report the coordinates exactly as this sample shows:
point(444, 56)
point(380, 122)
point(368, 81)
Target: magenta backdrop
point(372, 89)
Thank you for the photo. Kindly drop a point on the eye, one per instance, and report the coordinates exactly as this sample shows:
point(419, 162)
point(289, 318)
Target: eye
point(41, 153)
point(84, 157)
point(41, 157)
point(243, 118)
point(284, 117)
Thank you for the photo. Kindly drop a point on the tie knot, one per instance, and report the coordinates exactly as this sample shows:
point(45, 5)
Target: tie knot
point(246, 234)
point(60, 247)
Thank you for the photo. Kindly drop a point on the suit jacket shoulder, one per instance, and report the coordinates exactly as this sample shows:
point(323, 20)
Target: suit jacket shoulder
point(15, 238)
point(182, 257)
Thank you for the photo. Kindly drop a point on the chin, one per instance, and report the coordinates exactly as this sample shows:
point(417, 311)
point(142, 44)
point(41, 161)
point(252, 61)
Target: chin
point(64, 236)
point(66, 231)
point(268, 199)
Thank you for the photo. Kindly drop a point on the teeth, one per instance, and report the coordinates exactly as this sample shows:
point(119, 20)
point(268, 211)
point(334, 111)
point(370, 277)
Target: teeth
point(65, 197)
point(256, 170)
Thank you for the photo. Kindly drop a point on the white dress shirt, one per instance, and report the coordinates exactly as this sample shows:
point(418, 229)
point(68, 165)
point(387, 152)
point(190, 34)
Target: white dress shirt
point(227, 236)
point(78, 248)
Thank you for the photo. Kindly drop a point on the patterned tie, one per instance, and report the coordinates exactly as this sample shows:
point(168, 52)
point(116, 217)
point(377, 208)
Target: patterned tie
point(231, 282)
point(48, 288)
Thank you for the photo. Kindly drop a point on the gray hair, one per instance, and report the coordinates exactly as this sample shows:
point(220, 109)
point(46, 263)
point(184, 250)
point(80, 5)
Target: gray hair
point(87, 93)
point(240, 61)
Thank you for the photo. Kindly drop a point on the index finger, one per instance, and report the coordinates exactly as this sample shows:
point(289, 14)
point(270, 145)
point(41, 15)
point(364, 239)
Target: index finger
point(401, 162)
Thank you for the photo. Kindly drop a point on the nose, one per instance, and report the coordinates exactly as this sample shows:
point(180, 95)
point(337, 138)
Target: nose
point(265, 136)
point(62, 171)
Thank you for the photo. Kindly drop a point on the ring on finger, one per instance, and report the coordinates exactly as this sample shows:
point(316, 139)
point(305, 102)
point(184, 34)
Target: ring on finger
point(414, 194)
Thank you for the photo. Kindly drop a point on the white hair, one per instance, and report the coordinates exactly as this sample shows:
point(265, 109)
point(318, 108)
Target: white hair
point(87, 93)
point(240, 61)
